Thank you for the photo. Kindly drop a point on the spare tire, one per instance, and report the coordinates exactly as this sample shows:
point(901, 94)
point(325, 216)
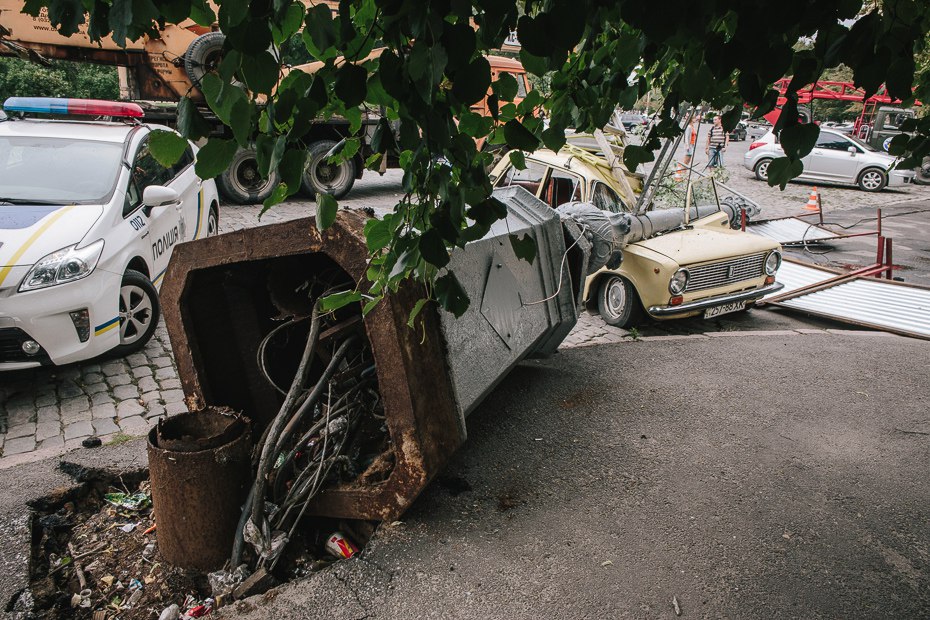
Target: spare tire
point(322, 177)
point(241, 182)
point(203, 56)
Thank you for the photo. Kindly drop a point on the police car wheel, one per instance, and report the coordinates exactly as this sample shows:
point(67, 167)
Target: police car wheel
point(213, 222)
point(138, 312)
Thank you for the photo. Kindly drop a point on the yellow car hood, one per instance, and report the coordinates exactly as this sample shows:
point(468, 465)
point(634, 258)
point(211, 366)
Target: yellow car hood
point(701, 245)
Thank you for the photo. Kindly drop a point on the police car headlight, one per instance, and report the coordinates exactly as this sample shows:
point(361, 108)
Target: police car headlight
point(62, 266)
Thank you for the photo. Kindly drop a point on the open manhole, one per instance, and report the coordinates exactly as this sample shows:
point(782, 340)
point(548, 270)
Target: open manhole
point(95, 555)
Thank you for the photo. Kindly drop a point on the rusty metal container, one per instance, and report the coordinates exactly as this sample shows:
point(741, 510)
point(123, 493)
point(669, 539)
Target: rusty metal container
point(199, 464)
point(216, 299)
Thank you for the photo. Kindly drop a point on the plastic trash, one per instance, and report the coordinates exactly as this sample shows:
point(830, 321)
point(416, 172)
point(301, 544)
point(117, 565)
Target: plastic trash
point(223, 582)
point(135, 501)
point(170, 613)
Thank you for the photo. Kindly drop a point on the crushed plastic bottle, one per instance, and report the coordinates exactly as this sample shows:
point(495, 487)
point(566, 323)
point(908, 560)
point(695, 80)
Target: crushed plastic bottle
point(135, 501)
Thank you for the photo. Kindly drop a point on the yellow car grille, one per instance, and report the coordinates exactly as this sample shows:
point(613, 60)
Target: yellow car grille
point(726, 272)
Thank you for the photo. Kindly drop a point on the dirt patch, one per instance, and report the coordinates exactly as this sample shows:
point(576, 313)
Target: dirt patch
point(95, 554)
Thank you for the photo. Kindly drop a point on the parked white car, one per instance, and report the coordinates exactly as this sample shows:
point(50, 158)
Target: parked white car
point(88, 221)
point(835, 158)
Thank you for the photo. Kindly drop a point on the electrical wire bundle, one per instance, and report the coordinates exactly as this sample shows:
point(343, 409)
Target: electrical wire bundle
point(329, 428)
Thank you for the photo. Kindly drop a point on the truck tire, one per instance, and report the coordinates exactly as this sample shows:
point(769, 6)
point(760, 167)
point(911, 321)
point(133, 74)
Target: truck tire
point(321, 177)
point(203, 56)
point(242, 184)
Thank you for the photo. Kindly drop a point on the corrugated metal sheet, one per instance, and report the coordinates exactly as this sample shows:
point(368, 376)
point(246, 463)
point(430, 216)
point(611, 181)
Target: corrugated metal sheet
point(788, 230)
point(872, 303)
point(864, 301)
point(797, 275)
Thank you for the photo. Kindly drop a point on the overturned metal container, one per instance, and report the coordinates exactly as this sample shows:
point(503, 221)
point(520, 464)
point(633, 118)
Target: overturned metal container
point(219, 293)
point(199, 465)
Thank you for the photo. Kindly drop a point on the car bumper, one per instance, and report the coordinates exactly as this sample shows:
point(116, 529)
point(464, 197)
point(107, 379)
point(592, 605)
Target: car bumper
point(719, 300)
point(899, 178)
point(44, 316)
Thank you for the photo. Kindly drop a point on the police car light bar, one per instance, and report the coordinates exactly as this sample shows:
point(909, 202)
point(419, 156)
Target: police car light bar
point(82, 107)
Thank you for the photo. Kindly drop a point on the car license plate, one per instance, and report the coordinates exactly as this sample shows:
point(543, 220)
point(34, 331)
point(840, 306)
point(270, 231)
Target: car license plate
point(736, 306)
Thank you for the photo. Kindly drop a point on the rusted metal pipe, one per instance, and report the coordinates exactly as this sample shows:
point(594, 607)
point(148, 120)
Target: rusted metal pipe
point(199, 465)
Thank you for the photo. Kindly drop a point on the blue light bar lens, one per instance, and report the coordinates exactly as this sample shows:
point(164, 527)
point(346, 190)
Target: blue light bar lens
point(73, 107)
point(36, 105)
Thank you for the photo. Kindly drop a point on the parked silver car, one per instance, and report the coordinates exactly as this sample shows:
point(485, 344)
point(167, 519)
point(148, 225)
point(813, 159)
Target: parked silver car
point(835, 158)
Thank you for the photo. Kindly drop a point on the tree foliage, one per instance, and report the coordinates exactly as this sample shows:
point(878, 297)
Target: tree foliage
point(594, 55)
point(21, 78)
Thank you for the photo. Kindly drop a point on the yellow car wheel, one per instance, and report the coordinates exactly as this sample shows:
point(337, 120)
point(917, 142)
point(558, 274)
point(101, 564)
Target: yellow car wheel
point(618, 302)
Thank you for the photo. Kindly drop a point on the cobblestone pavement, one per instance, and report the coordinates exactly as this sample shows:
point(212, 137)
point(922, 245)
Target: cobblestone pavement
point(52, 410)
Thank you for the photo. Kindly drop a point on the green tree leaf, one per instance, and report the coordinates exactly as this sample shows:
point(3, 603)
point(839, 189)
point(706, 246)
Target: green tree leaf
point(415, 312)
point(278, 194)
point(377, 234)
point(351, 84)
point(326, 210)
point(339, 300)
point(519, 137)
point(470, 84)
point(798, 141)
point(517, 159)
point(191, 122)
point(292, 167)
point(214, 157)
point(782, 170)
point(450, 294)
point(260, 72)
point(433, 248)
point(505, 87)
point(166, 146)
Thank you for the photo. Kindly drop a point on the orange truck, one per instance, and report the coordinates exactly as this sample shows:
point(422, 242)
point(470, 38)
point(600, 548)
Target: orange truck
point(171, 66)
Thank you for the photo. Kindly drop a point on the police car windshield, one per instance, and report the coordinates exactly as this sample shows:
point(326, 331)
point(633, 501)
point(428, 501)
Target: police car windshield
point(57, 170)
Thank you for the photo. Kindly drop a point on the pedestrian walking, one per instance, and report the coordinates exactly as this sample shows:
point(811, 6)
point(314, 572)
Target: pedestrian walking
point(691, 134)
point(717, 142)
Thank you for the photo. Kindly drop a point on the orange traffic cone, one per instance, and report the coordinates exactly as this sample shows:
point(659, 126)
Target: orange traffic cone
point(812, 202)
point(678, 170)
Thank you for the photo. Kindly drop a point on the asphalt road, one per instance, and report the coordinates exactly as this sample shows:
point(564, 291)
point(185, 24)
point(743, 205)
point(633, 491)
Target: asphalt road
point(758, 476)
point(778, 477)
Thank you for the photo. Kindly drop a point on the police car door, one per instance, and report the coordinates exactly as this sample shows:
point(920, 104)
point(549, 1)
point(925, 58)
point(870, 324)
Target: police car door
point(193, 219)
point(162, 223)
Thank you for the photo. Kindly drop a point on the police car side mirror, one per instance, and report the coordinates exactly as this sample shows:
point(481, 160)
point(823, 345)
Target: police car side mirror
point(155, 196)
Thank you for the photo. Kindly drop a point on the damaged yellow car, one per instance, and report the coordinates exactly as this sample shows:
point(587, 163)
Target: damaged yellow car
point(673, 266)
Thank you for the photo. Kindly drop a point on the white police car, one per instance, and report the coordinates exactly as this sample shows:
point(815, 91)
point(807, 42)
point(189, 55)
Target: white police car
point(88, 221)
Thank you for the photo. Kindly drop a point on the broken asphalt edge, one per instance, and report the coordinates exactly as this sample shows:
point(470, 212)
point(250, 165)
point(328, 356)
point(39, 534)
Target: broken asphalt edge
point(37, 480)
